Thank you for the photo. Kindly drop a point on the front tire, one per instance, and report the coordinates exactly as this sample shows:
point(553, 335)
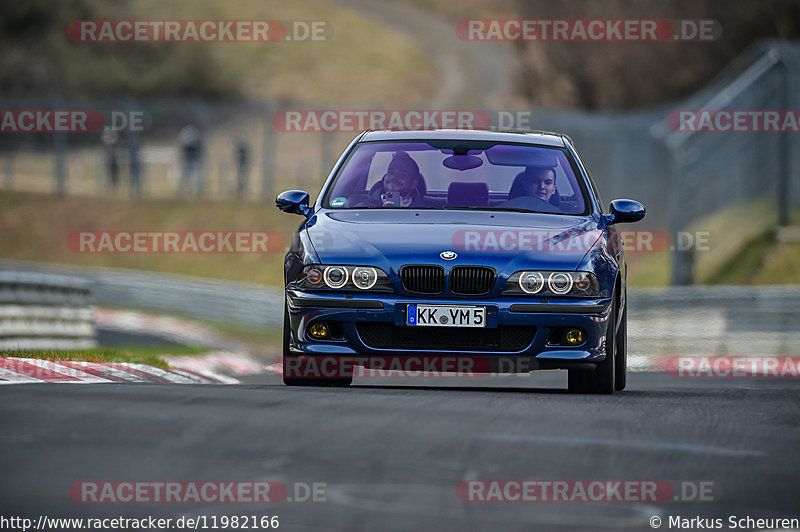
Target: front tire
point(601, 379)
point(621, 376)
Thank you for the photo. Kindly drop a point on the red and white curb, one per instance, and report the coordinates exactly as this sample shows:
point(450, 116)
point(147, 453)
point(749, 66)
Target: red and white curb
point(227, 356)
point(178, 329)
point(644, 363)
point(217, 361)
point(15, 370)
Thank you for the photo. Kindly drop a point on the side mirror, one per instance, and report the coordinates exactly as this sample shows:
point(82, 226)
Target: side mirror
point(294, 202)
point(625, 211)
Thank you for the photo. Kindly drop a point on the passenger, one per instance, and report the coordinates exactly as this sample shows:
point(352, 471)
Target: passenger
point(402, 186)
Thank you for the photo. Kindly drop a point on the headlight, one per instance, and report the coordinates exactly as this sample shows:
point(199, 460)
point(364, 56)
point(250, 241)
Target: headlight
point(365, 277)
point(548, 283)
point(531, 282)
point(560, 283)
point(335, 277)
point(314, 276)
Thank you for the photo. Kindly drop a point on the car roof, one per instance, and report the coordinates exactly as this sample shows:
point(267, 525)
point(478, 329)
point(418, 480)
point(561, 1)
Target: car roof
point(527, 137)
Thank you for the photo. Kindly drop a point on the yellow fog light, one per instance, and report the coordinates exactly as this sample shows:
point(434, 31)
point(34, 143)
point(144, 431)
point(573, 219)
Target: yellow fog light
point(575, 336)
point(318, 331)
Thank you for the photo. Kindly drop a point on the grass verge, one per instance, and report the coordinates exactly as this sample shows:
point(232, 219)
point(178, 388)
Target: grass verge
point(750, 258)
point(128, 355)
point(36, 227)
point(762, 260)
point(730, 233)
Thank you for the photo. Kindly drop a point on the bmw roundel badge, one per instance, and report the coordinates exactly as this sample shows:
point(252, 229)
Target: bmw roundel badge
point(448, 255)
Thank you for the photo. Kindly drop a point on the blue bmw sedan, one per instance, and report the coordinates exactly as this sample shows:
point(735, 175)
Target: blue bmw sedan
point(487, 250)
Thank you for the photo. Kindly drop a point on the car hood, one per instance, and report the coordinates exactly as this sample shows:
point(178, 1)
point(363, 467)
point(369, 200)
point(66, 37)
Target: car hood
point(506, 241)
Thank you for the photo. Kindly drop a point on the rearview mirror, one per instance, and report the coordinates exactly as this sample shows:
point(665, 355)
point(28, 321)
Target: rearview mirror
point(294, 202)
point(625, 211)
point(462, 162)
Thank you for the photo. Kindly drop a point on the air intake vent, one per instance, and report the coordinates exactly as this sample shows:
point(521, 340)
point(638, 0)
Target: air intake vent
point(472, 280)
point(427, 280)
point(508, 338)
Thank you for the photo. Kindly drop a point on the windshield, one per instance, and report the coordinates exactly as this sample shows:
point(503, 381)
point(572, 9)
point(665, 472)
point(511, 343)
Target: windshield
point(458, 175)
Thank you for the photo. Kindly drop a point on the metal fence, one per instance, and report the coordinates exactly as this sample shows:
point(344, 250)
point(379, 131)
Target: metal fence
point(715, 320)
point(206, 299)
point(685, 176)
point(43, 310)
point(194, 148)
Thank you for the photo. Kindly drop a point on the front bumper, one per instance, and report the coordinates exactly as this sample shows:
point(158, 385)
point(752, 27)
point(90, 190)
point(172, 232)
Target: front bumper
point(354, 312)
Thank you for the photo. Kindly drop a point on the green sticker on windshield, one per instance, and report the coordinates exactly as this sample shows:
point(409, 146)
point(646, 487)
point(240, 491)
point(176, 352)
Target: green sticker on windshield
point(338, 202)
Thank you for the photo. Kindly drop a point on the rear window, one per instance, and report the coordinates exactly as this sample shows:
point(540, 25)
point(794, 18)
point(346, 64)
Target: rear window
point(458, 175)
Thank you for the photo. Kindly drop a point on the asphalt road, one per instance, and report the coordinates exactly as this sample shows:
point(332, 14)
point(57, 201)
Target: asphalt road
point(391, 455)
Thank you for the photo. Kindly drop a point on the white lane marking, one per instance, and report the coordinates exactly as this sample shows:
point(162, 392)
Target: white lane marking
point(638, 445)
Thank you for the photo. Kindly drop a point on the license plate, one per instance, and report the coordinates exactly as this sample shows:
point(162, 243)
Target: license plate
point(445, 316)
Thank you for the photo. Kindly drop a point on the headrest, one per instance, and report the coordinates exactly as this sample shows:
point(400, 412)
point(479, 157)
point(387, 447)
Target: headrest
point(461, 194)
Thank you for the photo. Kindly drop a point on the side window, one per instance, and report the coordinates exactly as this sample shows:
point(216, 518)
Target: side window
point(378, 168)
point(592, 184)
point(562, 183)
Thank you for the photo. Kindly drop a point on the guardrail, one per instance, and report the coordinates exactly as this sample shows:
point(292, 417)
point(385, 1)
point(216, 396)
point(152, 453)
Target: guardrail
point(715, 320)
point(45, 311)
point(193, 297)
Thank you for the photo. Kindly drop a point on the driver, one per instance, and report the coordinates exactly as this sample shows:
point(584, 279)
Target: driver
point(540, 183)
point(400, 186)
point(536, 191)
